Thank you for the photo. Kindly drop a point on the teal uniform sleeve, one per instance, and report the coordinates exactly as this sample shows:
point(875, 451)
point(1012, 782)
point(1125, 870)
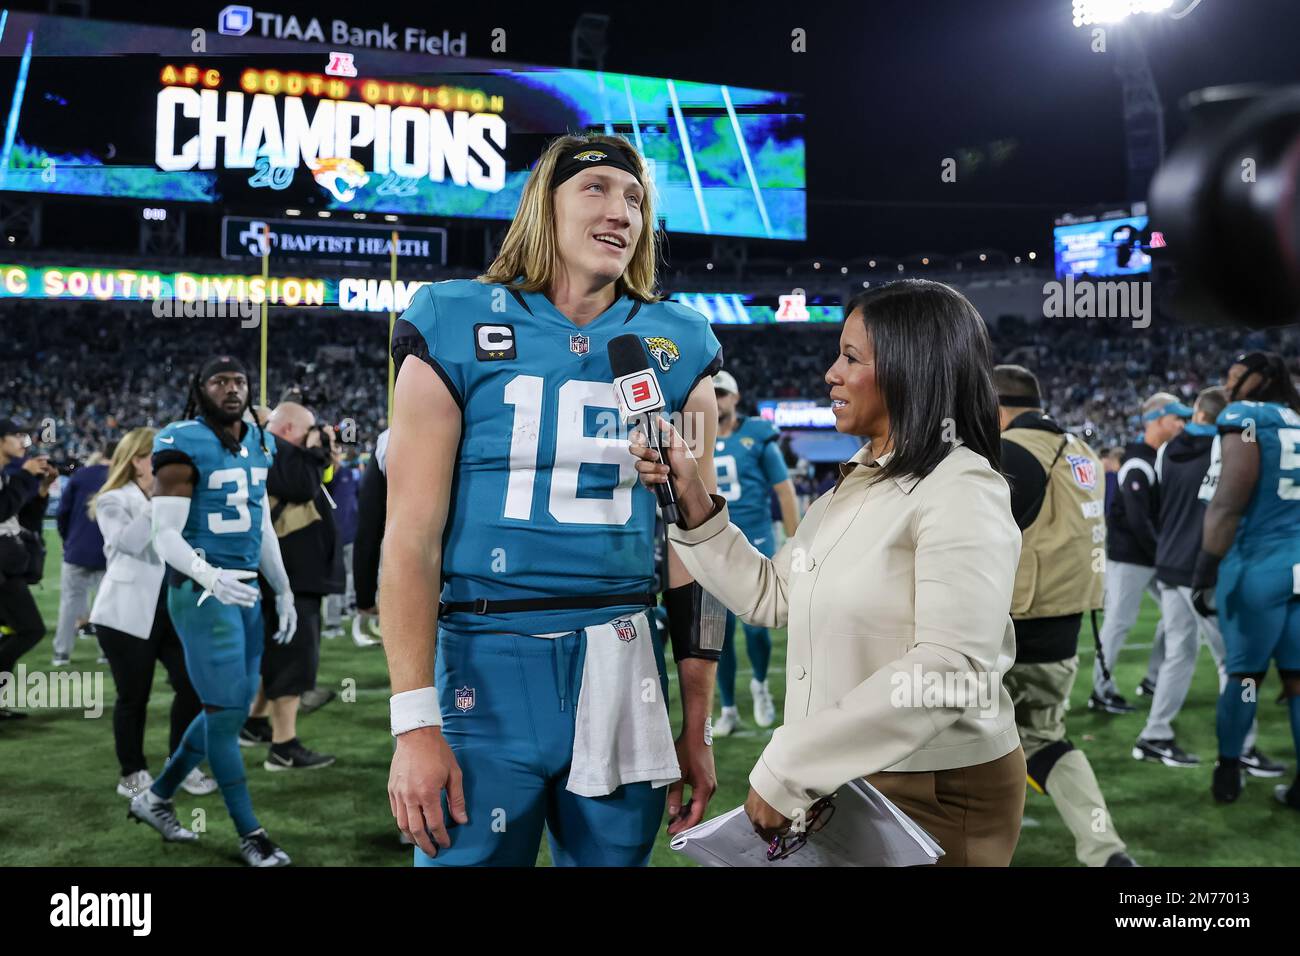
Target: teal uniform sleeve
point(772, 461)
point(421, 331)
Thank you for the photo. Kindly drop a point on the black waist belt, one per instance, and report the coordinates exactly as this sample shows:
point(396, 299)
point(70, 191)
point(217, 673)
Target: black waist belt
point(575, 603)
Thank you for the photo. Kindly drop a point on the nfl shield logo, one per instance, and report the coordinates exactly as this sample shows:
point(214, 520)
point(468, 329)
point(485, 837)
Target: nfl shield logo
point(625, 630)
point(1085, 473)
point(579, 344)
point(464, 698)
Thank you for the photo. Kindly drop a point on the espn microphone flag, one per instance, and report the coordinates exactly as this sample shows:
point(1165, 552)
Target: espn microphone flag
point(636, 389)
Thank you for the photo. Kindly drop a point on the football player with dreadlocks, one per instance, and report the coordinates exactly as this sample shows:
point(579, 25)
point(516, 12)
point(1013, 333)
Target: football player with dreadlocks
point(211, 527)
point(1250, 555)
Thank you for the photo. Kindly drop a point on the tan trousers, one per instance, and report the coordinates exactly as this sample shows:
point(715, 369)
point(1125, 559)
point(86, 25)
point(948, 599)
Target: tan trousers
point(1041, 695)
point(972, 812)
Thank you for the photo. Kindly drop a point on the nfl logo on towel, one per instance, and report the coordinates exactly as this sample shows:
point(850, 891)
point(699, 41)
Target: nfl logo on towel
point(1085, 473)
point(625, 630)
point(464, 698)
point(579, 344)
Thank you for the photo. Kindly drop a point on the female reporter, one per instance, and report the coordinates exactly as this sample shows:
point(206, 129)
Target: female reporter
point(130, 615)
point(895, 589)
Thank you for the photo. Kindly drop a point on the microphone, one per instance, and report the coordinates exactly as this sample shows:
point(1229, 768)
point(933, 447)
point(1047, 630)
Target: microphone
point(637, 391)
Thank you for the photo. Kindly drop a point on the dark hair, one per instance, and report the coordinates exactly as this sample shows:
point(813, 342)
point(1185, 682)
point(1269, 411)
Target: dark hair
point(198, 406)
point(933, 364)
point(1015, 380)
point(1212, 401)
point(1275, 381)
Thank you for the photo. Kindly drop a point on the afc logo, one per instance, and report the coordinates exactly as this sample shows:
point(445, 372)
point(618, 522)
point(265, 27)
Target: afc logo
point(341, 64)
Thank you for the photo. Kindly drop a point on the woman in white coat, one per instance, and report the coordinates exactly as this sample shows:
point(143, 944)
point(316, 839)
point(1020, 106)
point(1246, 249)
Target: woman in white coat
point(130, 614)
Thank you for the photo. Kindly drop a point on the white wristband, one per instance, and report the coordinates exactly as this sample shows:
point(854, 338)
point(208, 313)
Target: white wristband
point(413, 709)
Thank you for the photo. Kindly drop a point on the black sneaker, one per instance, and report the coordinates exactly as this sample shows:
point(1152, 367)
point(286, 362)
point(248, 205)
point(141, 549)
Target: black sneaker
point(314, 699)
point(1110, 704)
point(1289, 797)
point(1147, 688)
point(1228, 780)
point(1257, 765)
point(257, 850)
point(1165, 751)
point(1121, 859)
point(255, 732)
point(294, 756)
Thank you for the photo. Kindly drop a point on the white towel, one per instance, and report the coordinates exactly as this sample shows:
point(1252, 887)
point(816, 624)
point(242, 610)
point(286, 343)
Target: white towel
point(621, 734)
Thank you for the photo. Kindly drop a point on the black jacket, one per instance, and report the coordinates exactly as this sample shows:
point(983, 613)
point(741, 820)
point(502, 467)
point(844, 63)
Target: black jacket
point(372, 511)
point(312, 555)
point(1181, 466)
point(20, 495)
point(1134, 511)
point(1024, 474)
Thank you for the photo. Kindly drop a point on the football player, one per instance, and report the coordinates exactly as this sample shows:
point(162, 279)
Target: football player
point(212, 529)
point(512, 497)
point(1250, 555)
point(750, 468)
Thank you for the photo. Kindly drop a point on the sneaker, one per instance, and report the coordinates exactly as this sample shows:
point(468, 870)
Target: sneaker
point(1164, 751)
point(198, 783)
point(86, 631)
point(1228, 781)
point(1110, 704)
point(764, 709)
point(294, 756)
point(60, 661)
point(314, 699)
point(1121, 859)
point(1147, 688)
point(257, 850)
point(1288, 796)
point(332, 633)
point(134, 783)
point(1257, 765)
point(160, 814)
point(256, 731)
point(724, 725)
point(101, 659)
point(359, 634)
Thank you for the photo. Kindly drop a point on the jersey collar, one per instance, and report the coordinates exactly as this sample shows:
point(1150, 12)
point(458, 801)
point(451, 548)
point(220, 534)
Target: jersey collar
point(620, 310)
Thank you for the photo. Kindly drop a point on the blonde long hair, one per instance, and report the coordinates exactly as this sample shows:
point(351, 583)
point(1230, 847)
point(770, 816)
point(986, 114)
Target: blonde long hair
point(529, 255)
point(121, 470)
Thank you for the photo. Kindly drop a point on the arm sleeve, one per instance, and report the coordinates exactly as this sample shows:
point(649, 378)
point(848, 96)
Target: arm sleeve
point(272, 562)
point(16, 490)
point(1136, 497)
point(966, 556)
point(295, 474)
point(63, 520)
point(1028, 482)
point(32, 514)
point(125, 534)
point(773, 462)
point(372, 510)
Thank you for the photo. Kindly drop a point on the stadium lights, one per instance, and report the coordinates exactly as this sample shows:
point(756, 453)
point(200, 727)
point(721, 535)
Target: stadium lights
point(844, 270)
point(324, 213)
point(390, 219)
point(872, 263)
point(983, 257)
point(1087, 12)
point(709, 266)
point(866, 285)
point(925, 260)
point(900, 267)
point(358, 215)
point(292, 212)
point(1017, 260)
point(817, 265)
point(1033, 255)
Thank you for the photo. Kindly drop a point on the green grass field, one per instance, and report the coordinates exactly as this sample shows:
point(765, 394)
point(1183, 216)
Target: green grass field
point(58, 805)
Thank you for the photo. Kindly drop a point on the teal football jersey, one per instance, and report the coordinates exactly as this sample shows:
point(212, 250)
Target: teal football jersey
point(225, 521)
point(545, 500)
point(749, 463)
point(1274, 508)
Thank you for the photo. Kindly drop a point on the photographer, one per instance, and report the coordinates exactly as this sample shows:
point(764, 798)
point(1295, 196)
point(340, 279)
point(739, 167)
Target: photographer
point(24, 491)
point(303, 515)
point(83, 553)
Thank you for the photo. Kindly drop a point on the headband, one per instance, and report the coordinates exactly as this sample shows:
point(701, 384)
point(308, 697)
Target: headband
point(605, 154)
point(221, 363)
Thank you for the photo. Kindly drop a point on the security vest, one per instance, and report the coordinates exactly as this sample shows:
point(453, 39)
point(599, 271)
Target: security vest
point(1062, 554)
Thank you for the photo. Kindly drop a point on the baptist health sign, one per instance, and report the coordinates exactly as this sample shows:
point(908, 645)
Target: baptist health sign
point(237, 20)
point(243, 238)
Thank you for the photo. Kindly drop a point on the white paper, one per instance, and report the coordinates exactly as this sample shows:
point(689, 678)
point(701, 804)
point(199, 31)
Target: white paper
point(865, 830)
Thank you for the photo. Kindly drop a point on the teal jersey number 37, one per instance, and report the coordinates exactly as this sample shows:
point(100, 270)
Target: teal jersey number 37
point(545, 500)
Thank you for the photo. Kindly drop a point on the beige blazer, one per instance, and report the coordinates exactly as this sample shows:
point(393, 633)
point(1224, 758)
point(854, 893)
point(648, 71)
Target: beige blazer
point(896, 596)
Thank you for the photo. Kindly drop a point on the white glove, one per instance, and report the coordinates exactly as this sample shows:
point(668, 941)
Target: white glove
point(288, 615)
point(225, 585)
